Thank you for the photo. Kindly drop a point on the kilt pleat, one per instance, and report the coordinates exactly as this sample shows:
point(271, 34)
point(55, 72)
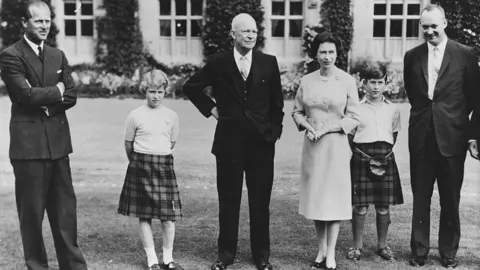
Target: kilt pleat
point(150, 189)
point(388, 190)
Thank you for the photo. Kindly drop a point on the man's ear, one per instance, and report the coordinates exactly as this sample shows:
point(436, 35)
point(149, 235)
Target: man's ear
point(232, 34)
point(24, 22)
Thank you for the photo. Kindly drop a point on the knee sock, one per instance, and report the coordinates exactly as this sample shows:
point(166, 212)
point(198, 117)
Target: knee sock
point(383, 221)
point(358, 222)
point(151, 256)
point(167, 255)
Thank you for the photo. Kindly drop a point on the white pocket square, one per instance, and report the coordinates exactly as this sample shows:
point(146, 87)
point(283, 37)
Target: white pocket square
point(59, 71)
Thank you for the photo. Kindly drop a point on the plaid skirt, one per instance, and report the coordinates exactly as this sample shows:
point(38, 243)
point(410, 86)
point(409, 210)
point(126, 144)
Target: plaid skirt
point(388, 190)
point(150, 189)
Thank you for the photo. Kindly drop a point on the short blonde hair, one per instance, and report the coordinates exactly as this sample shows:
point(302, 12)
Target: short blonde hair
point(154, 79)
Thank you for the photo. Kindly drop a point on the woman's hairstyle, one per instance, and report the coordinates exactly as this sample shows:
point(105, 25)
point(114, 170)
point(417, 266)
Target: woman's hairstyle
point(154, 79)
point(324, 37)
point(375, 71)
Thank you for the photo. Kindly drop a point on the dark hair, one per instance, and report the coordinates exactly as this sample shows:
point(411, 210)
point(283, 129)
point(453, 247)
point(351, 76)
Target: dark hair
point(375, 71)
point(431, 7)
point(324, 37)
point(27, 4)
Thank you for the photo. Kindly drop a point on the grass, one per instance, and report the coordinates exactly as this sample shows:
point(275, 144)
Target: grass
point(111, 241)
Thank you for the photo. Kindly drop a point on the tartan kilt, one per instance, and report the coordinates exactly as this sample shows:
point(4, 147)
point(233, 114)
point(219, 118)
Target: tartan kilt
point(388, 190)
point(150, 189)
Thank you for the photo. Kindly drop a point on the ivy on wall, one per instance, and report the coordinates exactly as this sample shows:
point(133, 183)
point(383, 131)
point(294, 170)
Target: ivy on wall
point(337, 19)
point(120, 44)
point(11, 14)
point(218, 18)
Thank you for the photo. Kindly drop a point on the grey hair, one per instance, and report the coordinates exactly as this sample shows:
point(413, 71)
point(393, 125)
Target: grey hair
point(432, 7)
point(240, 18)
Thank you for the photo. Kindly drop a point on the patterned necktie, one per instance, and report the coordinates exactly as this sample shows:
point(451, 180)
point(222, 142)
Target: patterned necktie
point(40, 53)
point(436, 63)
point(242, 65)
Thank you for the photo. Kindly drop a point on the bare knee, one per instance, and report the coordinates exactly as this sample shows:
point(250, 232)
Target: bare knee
point(382, 209)
point(168, 224)
point(360, 210)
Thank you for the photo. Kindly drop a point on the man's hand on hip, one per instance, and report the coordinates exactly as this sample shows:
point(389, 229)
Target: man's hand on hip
point(473, 149)
point(214, 112)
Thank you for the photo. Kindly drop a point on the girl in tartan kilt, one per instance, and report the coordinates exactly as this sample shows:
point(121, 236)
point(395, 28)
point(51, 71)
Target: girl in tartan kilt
point(150, 190)
point(372, 142)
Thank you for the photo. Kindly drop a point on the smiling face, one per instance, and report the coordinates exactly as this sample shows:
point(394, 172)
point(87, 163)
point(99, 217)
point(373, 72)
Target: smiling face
point(37, 26)
point(244, 33)
point(155, 97)
point(327, 54)
point(375, 88)
point(433, 23)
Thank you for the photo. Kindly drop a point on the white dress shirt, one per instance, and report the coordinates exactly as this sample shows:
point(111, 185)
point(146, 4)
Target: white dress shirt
point(434, 65)
point(33, 45)
point(247, 58)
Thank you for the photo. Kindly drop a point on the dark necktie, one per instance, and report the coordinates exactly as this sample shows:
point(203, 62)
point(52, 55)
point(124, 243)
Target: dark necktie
point(40, 53)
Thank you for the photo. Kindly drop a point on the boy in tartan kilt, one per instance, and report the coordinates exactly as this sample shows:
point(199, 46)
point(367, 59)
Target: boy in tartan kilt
point(373, 141)
point(150, 190)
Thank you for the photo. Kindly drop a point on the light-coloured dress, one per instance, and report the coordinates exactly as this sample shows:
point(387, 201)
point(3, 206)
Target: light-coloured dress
point(325, 185)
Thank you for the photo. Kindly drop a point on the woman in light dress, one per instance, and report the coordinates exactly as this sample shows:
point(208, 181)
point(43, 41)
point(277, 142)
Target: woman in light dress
point(324, 107)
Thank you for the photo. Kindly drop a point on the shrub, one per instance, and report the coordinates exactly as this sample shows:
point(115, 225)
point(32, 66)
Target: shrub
point(218, 18)
point(120, 44)
point(11, 27)
point(337, 19)
point(310, 62)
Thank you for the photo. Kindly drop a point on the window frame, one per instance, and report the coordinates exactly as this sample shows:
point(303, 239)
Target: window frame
point(78, 20)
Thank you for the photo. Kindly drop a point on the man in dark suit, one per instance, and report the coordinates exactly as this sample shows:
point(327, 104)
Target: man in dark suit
point(441, 81)
point(41, 89)
point(249, 108)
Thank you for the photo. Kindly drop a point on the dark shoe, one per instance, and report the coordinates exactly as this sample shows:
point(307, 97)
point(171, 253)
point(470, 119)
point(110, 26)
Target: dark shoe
point(330, 268)
point(172, 266)
point(264, 266)
point(417, 261)
point(386, 254)
point(155, 266)
point(319, 265)
point(354, 254)
point(219, 265)
point(448, 263)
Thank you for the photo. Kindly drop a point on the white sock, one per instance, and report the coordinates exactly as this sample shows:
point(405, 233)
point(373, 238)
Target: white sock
point(167, 255)
point(151, 256)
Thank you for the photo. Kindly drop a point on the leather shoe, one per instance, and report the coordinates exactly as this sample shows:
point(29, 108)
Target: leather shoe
point(264, 266)
point(319, 265)
point(219, 265)
point(448, 262)
point(417, 261)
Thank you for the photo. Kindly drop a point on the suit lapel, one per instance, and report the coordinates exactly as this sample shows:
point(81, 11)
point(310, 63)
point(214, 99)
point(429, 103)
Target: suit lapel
point(424, 61)
point(255, 69)
point(32, 59)
point(447, 57)
point(235, 77)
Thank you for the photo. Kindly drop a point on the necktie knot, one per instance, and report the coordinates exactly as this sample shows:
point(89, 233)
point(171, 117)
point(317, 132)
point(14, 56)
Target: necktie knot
point(243, 67)
point(40, 53)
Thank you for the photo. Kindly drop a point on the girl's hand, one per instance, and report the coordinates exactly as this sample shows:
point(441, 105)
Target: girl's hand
point(311, 136)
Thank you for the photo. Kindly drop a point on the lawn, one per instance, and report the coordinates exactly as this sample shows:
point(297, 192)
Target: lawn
point(110, 241)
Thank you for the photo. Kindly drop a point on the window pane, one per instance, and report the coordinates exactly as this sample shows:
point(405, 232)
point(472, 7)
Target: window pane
point(69, 8)
point(413, 28)
point(165, 28)
point(197, 7)
point(165, 7)
point(396, 9)
point(180, 28)
point(278, 7)
point(278, 28)
point(86, 1)
point(396, 28)
point(379, 28)
point(87, 9)
point(181, 7)
point(295, 28)
point(70, 28)
point(196, 28)
point(413, 9)
point(87, 28)
point(380, 9)
point(296, 8)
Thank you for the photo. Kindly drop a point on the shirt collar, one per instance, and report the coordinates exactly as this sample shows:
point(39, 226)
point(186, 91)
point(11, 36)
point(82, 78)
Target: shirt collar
point(237, 55)
point(365, 100)
point(33, 45)
point(441, 47)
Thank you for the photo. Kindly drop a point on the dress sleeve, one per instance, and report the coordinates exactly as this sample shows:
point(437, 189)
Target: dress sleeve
point(351, 118)
point(298, 113)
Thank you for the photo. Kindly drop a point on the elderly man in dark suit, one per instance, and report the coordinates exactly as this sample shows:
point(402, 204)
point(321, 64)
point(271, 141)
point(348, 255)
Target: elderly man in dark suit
point(249, 108)
point(41, 89)
point(441, 81)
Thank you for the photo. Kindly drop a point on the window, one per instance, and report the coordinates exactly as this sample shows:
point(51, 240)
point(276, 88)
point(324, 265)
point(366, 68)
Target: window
point(181, 18)
point(78, 16)
point(391, 18)
point(287, 18)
